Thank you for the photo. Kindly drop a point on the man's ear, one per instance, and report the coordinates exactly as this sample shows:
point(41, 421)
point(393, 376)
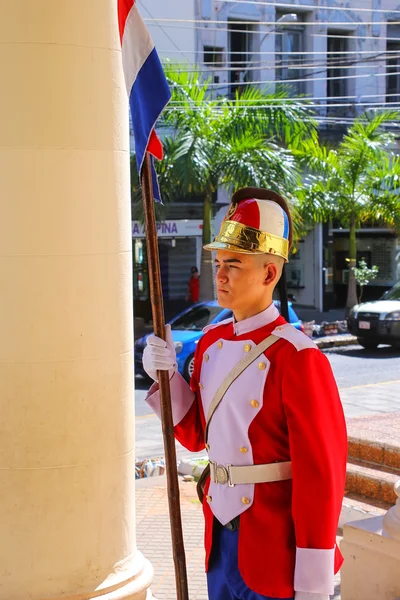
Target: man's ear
point(271, 274)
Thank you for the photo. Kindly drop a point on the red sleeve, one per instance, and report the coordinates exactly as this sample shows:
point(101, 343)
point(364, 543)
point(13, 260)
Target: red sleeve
point(318, 448)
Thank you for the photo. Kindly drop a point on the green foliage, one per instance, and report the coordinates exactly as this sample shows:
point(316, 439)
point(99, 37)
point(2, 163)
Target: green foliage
point(231, 143)
point(364, 275)
point(356, 182)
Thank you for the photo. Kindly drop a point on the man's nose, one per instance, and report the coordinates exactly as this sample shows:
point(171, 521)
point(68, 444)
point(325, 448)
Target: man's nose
point(222, 274)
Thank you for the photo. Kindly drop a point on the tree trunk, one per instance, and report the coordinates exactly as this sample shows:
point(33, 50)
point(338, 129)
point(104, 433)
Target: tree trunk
point(207, 287)
point(352, 286)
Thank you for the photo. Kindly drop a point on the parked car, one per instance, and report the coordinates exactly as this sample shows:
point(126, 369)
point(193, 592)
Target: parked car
point(377, 322)
point(187, 329)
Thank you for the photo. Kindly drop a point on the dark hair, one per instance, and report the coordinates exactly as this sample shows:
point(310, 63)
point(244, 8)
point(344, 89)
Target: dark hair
point(194, 270)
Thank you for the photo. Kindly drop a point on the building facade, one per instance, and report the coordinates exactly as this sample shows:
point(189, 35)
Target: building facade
point(345, 59)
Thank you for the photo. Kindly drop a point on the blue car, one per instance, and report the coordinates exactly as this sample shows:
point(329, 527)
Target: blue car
point(187, 329)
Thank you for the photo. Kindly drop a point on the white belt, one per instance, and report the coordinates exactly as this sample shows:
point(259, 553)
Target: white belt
point(232, 475)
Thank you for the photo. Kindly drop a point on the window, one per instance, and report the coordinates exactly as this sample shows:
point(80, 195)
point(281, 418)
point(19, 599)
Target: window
point(289, 40)
point(196, 318)
point(240, 55)
point(337, 61)
point(393, 294)
point(393, 72)
point(206, 9)
point(382, 257)
point(213, 57)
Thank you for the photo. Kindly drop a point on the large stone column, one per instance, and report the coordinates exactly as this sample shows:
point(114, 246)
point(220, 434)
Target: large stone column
point(67, 514)
point(371, 549)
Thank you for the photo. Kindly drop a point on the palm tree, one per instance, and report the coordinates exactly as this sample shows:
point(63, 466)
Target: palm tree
point(231, 143)
point(356, 182)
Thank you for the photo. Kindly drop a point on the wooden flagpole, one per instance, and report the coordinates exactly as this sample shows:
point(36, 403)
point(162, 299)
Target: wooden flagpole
point(156, 299)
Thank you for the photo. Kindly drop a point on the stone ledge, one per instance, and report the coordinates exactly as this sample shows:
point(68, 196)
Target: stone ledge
point(375, 453)
point(372, 483)
point(335, 340)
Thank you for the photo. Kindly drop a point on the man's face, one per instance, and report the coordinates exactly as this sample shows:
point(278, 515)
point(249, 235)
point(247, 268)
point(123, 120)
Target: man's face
point(241, 279)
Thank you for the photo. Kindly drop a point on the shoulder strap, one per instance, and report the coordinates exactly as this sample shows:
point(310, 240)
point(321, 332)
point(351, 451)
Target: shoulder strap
point(234, 374)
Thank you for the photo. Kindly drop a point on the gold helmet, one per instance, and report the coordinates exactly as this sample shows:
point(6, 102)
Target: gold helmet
point(258, 222)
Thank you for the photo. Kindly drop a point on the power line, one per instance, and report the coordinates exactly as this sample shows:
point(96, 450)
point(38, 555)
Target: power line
point(304, 99)
point(333, 104)
point(356, 37)
point(273, 52)
point(277, 65)
point(345, 64)
point(332, 120)
point(281, 5)
point(328, 118)
point(255, 32)
point(297, 80)
point(297, 25)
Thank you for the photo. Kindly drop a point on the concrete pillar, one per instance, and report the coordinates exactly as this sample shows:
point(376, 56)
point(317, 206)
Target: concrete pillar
point(371, 549)
point(67, 513)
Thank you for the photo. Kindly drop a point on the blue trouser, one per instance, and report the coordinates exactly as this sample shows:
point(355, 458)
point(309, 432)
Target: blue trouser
point(223, 578)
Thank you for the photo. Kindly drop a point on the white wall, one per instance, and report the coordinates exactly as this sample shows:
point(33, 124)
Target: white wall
point(184, 42)
point(175, 41)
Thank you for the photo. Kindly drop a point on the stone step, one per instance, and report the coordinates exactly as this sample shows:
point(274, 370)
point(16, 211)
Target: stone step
point(356, 508)
point(374, 454)
point(376, 484)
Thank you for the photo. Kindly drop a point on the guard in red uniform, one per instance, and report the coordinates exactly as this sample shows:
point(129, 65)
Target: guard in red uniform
point(264, 403)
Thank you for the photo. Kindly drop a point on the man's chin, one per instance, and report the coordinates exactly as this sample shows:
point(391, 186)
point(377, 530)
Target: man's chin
point(224, 300)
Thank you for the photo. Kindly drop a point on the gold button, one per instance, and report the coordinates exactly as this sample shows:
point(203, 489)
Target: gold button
point(201, 386)
point(262, 366)
point(206, 357)
point(255, 404)
point(245, 501)
point(247, 348)
point(279, 328)
point(243, 450)
point(209, 498)
point(220, 344)
point(207, 447)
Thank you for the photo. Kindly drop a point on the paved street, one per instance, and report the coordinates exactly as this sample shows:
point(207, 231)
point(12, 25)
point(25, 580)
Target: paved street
point(369, 383)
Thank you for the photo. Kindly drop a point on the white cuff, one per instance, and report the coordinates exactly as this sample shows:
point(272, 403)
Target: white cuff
point(310, 596)
point(182, 398)
point(314, 571)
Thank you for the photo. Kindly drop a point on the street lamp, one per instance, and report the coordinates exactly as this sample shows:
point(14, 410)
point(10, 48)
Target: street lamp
point(288, 18)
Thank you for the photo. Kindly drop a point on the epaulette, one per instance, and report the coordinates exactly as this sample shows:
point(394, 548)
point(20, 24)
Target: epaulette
point(297, 338)
point(214, 325)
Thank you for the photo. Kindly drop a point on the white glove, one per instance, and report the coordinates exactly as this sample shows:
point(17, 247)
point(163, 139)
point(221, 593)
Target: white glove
point(159, 355)
point(310, 596)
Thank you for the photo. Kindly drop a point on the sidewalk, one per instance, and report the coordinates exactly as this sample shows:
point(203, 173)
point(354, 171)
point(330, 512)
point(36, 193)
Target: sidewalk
point(312, 314)
point(154, 538)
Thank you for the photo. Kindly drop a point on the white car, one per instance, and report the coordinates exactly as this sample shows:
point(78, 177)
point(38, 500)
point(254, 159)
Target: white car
point(377, 322)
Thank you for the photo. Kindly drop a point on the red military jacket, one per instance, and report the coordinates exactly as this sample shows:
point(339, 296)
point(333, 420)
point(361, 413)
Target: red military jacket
point(284, 407)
